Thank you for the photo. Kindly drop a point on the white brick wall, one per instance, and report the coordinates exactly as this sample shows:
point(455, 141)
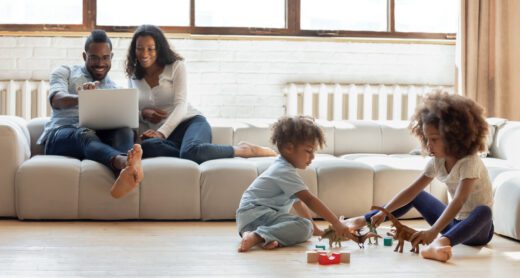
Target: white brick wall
point(245, 78)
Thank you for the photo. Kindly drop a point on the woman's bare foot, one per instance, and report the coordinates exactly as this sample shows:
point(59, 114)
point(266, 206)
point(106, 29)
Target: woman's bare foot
point(355, 223)
point(271, 245)
point(249, 239)
point(125, 183)
point(439, 249)
point(245, 149)
point(134, 160)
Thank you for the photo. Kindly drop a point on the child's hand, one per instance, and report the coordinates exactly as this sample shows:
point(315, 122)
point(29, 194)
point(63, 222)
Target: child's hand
point(377, 219)
point(317, 231)
point(343, 230)
point(423, 237)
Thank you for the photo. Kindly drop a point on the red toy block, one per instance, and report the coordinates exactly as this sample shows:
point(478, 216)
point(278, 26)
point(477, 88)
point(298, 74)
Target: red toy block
point(334, 258)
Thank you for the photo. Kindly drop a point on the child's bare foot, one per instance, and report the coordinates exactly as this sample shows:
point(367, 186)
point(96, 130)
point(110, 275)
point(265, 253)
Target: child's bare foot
point(134, 160)
point(125, 183)
point(439, 250)
point(355, 223)
point(249, 239)
point(245, 149)
point(271, 245)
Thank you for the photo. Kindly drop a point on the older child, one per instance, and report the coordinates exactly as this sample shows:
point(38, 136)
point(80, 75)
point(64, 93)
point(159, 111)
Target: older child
point(263, 215)
point(452, 129)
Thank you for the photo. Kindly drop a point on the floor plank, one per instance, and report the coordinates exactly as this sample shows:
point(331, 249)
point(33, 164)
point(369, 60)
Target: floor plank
point(93, 249)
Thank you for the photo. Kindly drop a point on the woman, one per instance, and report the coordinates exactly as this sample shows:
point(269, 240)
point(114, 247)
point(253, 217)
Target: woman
point(173, 127)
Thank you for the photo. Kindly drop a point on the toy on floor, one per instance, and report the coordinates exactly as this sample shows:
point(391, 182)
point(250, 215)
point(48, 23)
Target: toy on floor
point(387, 241)
point(401, 232)
point(336, 239)
point(322, 247)
point(372, 228)
point(324, 258)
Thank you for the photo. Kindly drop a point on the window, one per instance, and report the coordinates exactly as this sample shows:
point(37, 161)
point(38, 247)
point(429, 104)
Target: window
point(240, 13)
point(41, 12)
point(426, 16)
point(135, 12)
point(436, 19)
point(366, 15)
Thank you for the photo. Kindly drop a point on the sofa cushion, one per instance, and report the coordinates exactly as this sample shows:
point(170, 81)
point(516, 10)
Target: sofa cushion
point(95, 201)
point(222, 182)
point(47, 187)
point(393, 173)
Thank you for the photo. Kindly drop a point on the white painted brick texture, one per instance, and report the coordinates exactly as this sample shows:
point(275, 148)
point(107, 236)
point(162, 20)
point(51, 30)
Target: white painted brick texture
point(245, 78)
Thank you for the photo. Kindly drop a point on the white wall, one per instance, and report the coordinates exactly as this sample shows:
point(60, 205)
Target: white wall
point(230, 78)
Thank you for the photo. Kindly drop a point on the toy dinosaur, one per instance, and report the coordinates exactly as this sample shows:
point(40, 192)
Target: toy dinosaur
point(372, 229)
point(334, 238)
point(401, 233)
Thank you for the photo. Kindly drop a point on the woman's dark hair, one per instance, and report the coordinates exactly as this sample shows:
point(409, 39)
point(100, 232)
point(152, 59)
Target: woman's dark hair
point(165, 54)
point(296, 130)
point(460, 122)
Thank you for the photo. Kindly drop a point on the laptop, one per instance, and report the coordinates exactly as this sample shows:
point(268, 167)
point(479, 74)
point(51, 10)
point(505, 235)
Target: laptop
point(108, 109)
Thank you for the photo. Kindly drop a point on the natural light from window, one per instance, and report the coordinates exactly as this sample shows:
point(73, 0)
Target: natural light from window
point(355, 15)
point(41, 12)
point(240, 13)
point(137, 12)
point(427, 16)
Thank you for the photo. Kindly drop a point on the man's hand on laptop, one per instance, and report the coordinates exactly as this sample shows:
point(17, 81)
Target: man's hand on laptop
point(153, 115)
point(152, 134)
point(88, 86)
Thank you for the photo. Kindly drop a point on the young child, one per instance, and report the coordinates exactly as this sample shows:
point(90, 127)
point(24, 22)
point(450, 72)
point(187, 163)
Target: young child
point(452, 130)
point(263, 215)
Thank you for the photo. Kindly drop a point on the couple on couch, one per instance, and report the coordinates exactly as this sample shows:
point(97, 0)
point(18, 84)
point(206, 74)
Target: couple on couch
point(172, 126)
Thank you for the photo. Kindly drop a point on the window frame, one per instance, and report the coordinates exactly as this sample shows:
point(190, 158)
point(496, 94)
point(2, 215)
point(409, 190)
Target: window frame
point(292, 28)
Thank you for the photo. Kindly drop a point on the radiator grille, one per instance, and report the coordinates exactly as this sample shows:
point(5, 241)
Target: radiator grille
point(355, 101)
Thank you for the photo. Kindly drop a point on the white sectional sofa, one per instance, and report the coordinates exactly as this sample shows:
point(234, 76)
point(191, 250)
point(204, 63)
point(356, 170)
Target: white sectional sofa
point(364, 163)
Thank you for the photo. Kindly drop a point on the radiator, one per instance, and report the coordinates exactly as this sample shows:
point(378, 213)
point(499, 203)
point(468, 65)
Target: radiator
point(355, 101)
point(26, 98)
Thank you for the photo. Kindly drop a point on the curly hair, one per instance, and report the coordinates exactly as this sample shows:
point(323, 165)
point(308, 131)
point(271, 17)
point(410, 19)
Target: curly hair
point(165, 54)
point(460, 122)
point(296, 130)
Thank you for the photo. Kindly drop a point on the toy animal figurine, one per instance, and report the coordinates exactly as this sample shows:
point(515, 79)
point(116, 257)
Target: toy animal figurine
point(372, 229)
point(336, 239)
point(362, 238)
point(333, 238)
point(402, 232)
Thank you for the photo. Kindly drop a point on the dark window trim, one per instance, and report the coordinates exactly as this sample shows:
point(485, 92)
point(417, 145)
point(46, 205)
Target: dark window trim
point(292, 28)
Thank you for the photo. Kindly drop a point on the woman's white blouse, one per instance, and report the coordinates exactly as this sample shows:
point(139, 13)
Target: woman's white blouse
point(169, 95)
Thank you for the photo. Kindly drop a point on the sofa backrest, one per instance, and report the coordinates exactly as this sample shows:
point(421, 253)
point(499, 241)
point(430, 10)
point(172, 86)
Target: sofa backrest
point(342, 137)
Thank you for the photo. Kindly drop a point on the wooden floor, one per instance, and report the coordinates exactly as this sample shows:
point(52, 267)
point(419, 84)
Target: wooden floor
point(209, 249)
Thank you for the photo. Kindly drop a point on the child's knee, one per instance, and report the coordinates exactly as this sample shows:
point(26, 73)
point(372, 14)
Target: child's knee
point(307, 229)
point(484, 212)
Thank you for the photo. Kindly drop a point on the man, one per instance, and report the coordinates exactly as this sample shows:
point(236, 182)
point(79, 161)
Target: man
point(113, 148)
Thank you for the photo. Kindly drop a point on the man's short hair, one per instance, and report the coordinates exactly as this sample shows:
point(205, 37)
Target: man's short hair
point(97, 36)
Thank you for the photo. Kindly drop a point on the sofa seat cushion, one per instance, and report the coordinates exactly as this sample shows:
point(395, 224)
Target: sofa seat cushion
point(344, 186)
point(47, 187)
point(222, 182)
point(506, 207)
point(170, 190)
point(393, 173)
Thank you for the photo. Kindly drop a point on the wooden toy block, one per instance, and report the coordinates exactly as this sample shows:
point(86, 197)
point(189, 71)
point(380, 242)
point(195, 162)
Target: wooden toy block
point(313, 256)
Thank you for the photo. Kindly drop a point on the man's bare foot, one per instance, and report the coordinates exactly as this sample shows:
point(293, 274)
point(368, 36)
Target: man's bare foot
point(271, 245)
point(355, 223)
point(125, 183)
point(439, 250)
point(245, 149)
point(134, 160)
point(249, 239)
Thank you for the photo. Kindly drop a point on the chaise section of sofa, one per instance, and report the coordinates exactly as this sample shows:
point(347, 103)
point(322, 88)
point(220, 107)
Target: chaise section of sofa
point(364, 163)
